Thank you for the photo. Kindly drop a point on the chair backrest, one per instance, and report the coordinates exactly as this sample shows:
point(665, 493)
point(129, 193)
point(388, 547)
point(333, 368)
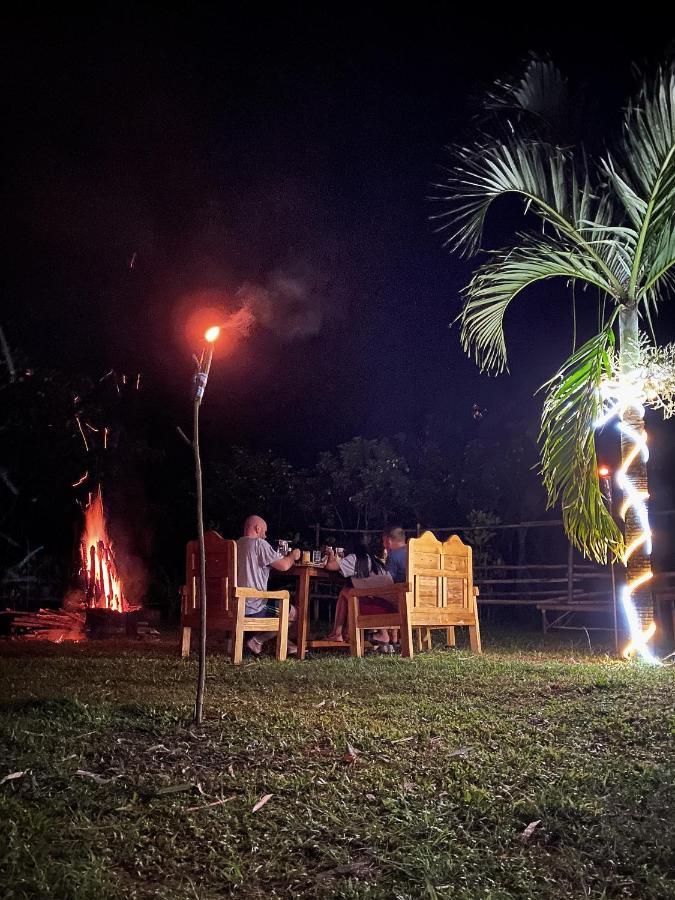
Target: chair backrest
point(221, 575)
point(440, 574)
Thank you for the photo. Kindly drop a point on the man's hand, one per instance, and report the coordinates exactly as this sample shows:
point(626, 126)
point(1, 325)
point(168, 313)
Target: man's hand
point(284, 563)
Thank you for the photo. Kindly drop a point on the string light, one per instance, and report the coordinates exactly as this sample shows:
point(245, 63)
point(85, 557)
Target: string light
point(620, 396)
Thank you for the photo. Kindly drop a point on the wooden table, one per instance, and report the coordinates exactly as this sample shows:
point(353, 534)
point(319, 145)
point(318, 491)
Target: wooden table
point(304, 572)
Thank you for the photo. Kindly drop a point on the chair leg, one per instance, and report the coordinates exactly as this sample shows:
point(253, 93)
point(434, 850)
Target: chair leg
point(418, 639)
point(452, 642)
point(474, 637)
point(355, 633)
point(407, 639)
point(282, 634)
point(185, 643)
point(427, 639)
point(238, 645)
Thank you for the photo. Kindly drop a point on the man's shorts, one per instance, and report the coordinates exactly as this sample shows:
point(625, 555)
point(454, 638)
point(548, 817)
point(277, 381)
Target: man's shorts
point(269, 611)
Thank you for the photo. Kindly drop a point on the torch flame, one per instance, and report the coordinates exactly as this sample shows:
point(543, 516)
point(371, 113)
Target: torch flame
point(103, 585)
point(211, 334)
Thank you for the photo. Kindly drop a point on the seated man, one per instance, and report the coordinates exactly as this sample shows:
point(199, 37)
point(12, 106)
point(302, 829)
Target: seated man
point(255, 558)
point(393, 539)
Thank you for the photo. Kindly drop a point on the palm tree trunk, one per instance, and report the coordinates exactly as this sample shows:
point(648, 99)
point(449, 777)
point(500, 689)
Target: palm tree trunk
point(639, 561)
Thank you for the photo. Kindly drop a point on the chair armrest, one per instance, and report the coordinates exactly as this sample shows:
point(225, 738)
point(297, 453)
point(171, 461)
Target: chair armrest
point(264, 595)
point(476, 592)
point(394, 592)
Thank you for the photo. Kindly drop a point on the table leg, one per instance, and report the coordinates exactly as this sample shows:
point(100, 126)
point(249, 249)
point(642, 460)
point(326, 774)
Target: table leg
point(302, 601)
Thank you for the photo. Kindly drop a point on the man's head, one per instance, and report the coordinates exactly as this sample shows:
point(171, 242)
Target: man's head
point(255, 527)
point(393, 537)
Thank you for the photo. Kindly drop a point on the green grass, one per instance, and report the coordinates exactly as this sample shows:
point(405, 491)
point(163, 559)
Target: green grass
point(456, 756)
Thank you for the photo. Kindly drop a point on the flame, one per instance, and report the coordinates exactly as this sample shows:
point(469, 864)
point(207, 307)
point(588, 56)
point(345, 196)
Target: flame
point(207, 308)
point(103, 585)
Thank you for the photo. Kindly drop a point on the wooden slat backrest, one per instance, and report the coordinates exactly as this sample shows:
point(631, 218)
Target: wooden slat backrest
point(221, 574)
point(441, 574)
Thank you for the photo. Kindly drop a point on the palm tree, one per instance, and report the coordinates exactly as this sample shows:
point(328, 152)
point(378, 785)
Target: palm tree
point(609, 225)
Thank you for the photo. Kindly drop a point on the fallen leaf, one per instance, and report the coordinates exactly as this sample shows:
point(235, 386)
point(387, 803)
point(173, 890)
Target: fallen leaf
point(175, 789)
point(14, 775)
point(358, 868)
point(461, 751)
point(529, 831)
point(99, 779)
point(263, 800)
point(215, 803)
point(351, 755)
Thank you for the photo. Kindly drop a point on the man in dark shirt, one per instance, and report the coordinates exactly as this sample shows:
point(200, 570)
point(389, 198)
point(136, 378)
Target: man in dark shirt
point(393, 539)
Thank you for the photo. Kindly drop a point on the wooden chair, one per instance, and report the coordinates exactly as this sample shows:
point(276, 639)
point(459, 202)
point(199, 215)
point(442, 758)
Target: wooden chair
point(225, 602)
point(439, 594)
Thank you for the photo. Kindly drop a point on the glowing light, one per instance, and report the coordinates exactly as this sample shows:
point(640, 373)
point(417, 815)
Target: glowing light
point(619, 397)
point(211, 334)
point(79, 425)
point(81, 480)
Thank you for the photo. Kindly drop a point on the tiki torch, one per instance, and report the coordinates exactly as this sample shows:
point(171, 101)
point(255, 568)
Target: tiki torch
point(200, 379)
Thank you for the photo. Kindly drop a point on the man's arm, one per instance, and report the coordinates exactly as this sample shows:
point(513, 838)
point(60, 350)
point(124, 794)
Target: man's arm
point(332, 562)
point(285, 563)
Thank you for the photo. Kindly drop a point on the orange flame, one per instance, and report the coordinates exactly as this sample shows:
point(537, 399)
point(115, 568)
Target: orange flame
point(103, 585)
point(232, 327)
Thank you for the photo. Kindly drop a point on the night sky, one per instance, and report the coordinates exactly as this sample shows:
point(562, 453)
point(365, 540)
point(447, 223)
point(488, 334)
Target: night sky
point(164, 161)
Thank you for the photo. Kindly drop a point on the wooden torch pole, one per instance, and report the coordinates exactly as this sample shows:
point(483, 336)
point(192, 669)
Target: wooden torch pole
point(201, 377)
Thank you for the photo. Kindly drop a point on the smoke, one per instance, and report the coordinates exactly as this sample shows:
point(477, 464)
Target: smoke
point(291, 303)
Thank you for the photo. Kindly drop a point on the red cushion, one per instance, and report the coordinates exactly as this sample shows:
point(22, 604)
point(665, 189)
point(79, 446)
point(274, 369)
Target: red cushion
point(375, 606)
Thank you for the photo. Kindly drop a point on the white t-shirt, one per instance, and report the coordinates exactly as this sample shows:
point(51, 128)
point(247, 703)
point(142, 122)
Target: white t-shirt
point(254, 558)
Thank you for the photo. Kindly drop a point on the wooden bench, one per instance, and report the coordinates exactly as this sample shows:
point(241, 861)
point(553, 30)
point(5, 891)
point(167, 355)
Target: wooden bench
point(567, 611)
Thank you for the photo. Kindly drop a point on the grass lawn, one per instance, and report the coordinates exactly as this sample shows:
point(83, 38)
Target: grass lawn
point(454, 756)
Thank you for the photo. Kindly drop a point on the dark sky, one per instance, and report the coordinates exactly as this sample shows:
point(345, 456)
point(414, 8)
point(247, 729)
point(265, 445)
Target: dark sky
point(217, 150)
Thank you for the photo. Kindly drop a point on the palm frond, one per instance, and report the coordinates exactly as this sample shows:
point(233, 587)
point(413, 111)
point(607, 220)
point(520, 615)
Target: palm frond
point(540, 93)
point(545, 177)
point(568, 457)
point(496, 283)
point(643, 175)
point(659, 280)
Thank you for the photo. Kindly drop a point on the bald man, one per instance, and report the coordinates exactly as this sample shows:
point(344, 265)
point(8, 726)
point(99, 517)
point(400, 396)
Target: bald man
point(255, 558)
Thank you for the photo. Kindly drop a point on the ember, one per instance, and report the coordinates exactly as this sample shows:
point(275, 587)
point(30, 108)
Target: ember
point(102, 584)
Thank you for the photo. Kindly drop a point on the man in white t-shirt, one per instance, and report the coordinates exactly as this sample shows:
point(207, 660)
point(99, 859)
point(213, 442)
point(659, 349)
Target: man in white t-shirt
point(255, 558)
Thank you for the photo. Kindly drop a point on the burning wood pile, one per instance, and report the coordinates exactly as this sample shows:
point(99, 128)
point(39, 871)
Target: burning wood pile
point(102, 585)
point(100, 608)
